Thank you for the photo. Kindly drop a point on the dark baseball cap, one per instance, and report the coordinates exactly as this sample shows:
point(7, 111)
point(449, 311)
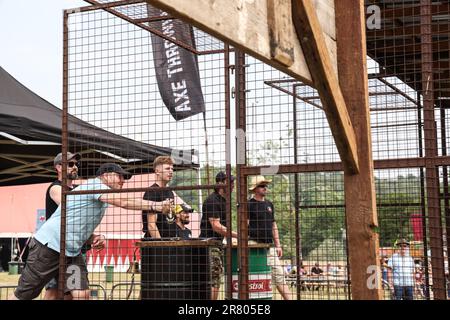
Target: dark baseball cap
point(113, 167)
point(222, 176)
point(70, 156)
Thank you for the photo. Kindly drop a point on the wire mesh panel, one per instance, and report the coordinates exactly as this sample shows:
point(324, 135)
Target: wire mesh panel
point(116, 81)
point(408, 82)
point(146, 177)
point(303, 218)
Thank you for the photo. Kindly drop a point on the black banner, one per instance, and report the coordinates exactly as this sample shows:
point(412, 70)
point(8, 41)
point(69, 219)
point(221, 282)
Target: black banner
point(176, 68)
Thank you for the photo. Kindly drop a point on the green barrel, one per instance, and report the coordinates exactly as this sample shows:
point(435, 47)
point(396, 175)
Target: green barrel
point(15, 267)
point(109, 272)
point(259, 274)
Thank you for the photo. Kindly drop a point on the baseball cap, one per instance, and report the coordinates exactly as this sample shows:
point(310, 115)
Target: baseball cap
point(222, 176)
point(113, 167)
point(70, 156)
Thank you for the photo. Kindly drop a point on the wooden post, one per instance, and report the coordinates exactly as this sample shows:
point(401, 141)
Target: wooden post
point(361, 216)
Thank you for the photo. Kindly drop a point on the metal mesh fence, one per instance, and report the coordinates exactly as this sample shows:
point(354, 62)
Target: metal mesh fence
point(295, 221)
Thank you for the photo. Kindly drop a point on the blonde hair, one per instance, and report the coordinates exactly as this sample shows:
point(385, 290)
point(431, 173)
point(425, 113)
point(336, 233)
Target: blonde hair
point(162, 160)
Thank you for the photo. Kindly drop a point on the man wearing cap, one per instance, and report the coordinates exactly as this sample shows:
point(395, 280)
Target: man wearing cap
point(52, 201)
point(401, 269)
point(213, 225)
point(182, 218)
point(84, 213)
point(262, 228)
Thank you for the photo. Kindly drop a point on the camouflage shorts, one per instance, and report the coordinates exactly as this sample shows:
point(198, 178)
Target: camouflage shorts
point(216, 266)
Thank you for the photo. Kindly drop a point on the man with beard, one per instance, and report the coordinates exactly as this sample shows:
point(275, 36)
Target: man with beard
point(182, 218)
point(52, 201)
point(263, 228)
point(84, 212)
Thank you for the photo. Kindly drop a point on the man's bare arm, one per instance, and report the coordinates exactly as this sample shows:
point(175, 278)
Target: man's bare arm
point(220, 228)
point(152, 227)
point(126, 202)
point(55, 193)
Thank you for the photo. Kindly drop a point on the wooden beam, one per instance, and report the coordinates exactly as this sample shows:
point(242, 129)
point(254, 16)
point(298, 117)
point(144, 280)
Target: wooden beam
point(280, 32)
point(325, 80)
point(245, 25)
point(360, 206)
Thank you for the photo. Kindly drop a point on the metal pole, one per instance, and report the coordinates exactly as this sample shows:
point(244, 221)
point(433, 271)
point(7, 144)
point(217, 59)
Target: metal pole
point(241, 182)
point(228, 209)
point(200, 192)
point(432, 176)
point(206, 148)
point(65, 189)
point(298, 247)
point(12, 248)
point(445, 182)
point(422, 200)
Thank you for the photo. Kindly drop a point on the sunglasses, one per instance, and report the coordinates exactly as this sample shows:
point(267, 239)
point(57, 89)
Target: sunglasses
point(72, 164)
point(262, 186)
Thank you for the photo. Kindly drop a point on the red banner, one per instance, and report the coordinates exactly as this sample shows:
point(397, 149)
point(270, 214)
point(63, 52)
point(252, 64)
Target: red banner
point(417, 226)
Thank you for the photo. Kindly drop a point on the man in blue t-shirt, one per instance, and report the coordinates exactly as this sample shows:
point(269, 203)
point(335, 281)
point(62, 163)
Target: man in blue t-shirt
point(52, 202)
point(84, 213)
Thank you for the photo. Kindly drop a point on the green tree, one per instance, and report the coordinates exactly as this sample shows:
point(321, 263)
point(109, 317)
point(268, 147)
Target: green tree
point(394, 216)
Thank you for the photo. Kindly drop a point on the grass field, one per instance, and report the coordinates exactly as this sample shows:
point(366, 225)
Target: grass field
point(119, 289)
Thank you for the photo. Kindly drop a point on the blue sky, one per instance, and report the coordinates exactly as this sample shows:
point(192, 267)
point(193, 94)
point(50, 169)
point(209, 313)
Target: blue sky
point(31, 43)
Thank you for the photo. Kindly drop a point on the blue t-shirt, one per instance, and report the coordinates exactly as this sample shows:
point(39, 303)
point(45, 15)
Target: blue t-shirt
point(84, 212)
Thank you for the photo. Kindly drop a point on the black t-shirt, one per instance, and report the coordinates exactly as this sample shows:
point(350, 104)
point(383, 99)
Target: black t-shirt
point(316, 270)
point(50, 205)
point(182, 233)
point(213, 207)
point(165, 229)
point(261, 215)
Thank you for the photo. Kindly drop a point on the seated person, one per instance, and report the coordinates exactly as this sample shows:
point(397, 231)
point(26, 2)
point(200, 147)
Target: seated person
point(182, 218)
point(316, 270)
point(303, 271)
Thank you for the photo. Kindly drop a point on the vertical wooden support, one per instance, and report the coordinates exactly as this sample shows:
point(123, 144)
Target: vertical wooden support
point(362, 236)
